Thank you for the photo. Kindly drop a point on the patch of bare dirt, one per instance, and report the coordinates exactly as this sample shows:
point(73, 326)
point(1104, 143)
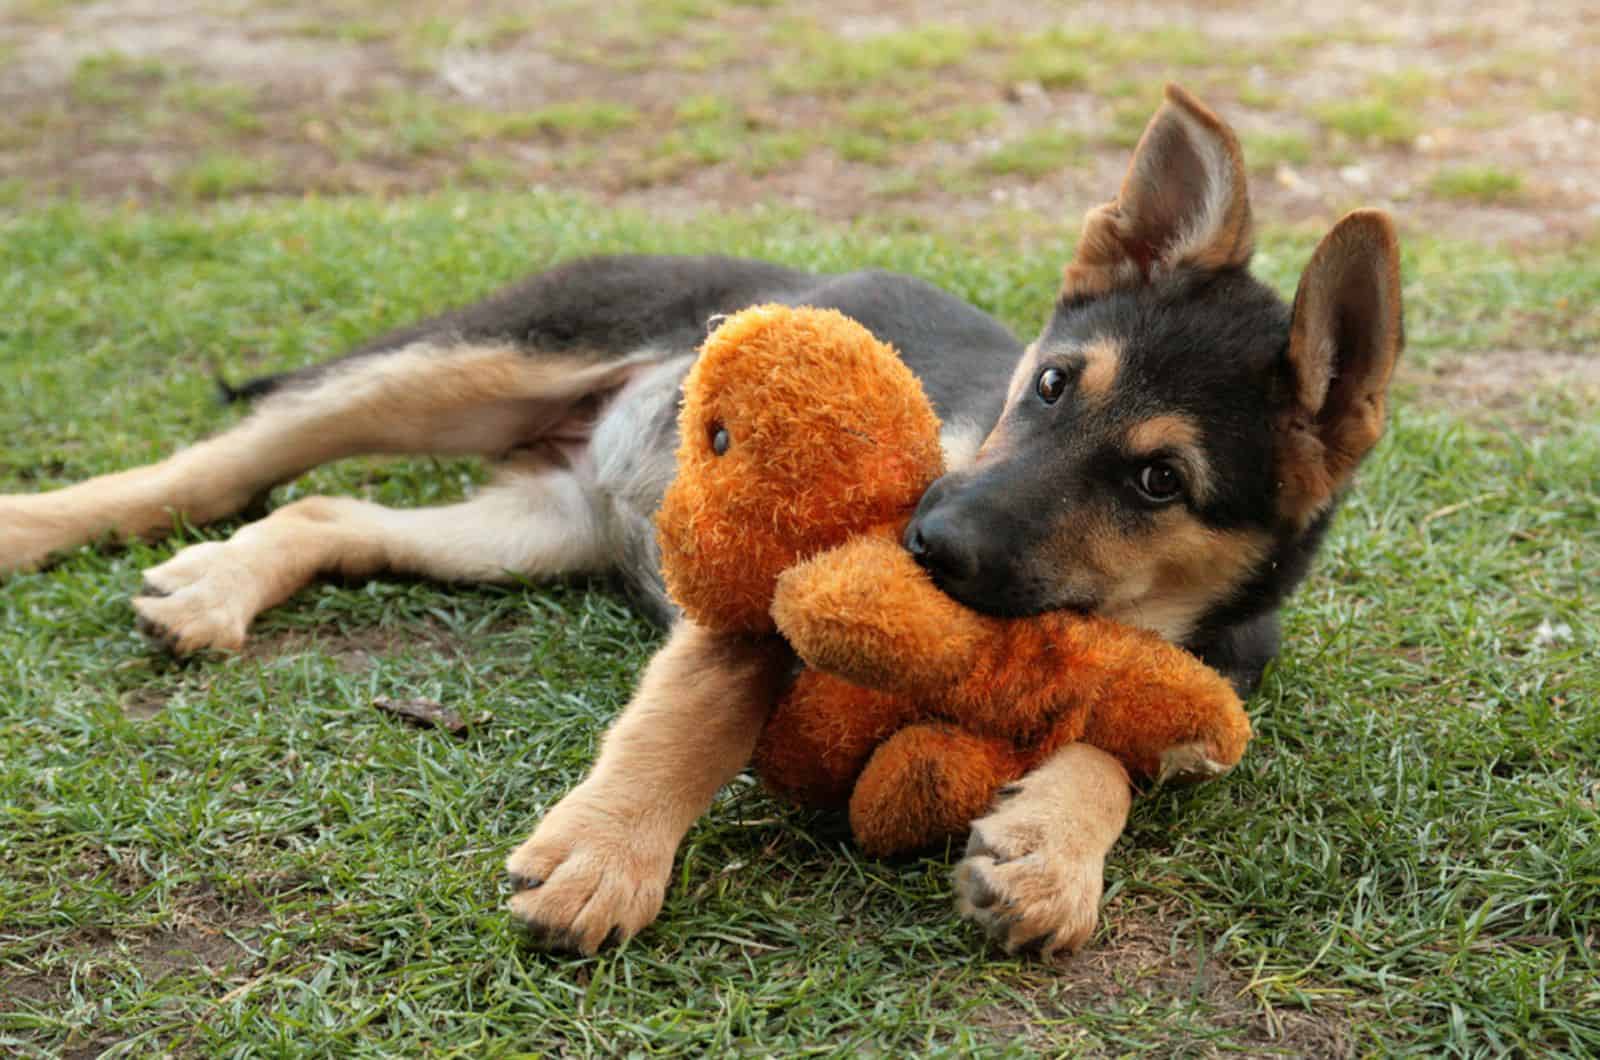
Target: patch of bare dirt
point(142, 704)
point(1147, 960)
point(202, 938)
point(131, 98)
point(1500, 386)
point(353, 650)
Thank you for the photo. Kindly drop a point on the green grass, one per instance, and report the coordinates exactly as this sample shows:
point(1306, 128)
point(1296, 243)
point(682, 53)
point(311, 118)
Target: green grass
point(871, 129)
point(1408, 89)
point(1369, 120)
point(1057, 59)
point(220, 174)
point(772, 151)
point(705, 109)
point(1034, 155)
point(241, 856)
point(1264, 152)
point(685, 149)
point(897, 121)
point(410, 124)
point(584, 118)
point(1129, 118)
point(1487, 184)
point(234, 106)
point(1261, 97)
point(418, 125)
point(111, 79)
point(827, 64)
point(349, 30)
point(1559, 98)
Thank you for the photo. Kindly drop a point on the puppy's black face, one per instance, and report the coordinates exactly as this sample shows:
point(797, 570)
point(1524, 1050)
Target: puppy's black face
point(1132, 471)
point(1173, 444)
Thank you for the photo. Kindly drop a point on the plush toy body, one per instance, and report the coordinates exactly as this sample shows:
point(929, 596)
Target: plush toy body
point(805, 446)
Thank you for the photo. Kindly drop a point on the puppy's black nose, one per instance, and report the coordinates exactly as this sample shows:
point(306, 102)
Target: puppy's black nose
point(944, 549)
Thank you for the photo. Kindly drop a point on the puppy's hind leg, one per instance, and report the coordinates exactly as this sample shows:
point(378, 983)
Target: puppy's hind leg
point(463, 398)
point(525, 524)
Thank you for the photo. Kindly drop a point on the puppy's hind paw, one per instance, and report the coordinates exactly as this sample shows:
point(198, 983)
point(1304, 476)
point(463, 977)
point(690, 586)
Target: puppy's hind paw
point(198, 600)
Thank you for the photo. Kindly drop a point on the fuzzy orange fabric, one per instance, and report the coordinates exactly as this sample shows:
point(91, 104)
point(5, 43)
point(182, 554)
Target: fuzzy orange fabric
point(927, 782)
point(826, 437)
point(805, 446)
point(818, 738)
point(866, 612)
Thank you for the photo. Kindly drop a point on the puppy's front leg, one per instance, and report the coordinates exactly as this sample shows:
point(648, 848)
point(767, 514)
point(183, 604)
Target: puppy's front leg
point(596, 868)
point(1035, 866)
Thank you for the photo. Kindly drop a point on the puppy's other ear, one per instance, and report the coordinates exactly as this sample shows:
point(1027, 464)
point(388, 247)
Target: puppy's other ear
point(1184, 203)
point(1344, 337)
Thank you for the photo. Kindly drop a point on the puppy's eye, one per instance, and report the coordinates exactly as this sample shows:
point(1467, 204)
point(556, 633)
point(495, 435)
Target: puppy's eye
point(1158, 482)
point(719, 439)
point(1052, 384)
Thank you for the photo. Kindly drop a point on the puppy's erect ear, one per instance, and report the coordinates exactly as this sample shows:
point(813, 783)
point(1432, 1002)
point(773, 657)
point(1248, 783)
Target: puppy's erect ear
point(1184, 203)
point(1344, 338)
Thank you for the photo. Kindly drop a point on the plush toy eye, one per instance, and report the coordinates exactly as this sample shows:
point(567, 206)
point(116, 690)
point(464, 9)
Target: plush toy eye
point(1158, 482)
point(1052, 384)
point(719, 439)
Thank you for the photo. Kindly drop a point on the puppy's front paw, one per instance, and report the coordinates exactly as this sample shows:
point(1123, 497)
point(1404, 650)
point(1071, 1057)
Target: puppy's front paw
point(201, 598)
point(1029, 887)
point(588, 876)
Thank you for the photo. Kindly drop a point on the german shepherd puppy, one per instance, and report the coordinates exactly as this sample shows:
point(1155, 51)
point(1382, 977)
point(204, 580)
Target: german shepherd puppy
point(1168, 453)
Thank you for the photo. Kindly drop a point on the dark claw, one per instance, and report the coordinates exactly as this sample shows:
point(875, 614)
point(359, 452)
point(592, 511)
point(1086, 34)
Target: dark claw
point(161, 635)
point(978, 847)
point(547, 937)
point(999, 923)
point(1035, 946)
point(1008, 791)
point(524, 883)
point(980, 894)
point(147, 589)
point(533, 929)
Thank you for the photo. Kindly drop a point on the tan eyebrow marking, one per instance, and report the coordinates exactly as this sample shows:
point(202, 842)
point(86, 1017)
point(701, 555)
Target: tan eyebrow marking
point(1101, 361)
point(1162, 432)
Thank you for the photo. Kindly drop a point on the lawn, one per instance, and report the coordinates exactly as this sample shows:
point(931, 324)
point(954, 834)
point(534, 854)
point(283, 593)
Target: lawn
point(241, 856)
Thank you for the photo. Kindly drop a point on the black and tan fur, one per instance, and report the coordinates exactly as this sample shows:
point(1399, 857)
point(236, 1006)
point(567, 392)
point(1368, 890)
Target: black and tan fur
point(1163, 364)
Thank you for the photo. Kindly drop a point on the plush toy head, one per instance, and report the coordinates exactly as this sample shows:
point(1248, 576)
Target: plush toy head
point(796, 433)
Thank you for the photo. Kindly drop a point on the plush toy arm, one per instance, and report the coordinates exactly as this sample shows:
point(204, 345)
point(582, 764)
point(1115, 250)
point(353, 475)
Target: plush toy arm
point(1161, 711)
point(866, 612)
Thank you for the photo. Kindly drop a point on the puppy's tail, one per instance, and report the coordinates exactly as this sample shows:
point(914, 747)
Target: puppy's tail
point(250, 389)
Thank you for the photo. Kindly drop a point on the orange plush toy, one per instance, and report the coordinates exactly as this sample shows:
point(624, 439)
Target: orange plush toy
point(805, 446)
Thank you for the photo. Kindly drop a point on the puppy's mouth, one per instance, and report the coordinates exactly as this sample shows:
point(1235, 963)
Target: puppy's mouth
point(1017, 599)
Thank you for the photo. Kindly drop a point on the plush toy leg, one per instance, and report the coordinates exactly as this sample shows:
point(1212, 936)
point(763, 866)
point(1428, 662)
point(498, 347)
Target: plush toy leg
point(925, 784)
point(819, 737)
